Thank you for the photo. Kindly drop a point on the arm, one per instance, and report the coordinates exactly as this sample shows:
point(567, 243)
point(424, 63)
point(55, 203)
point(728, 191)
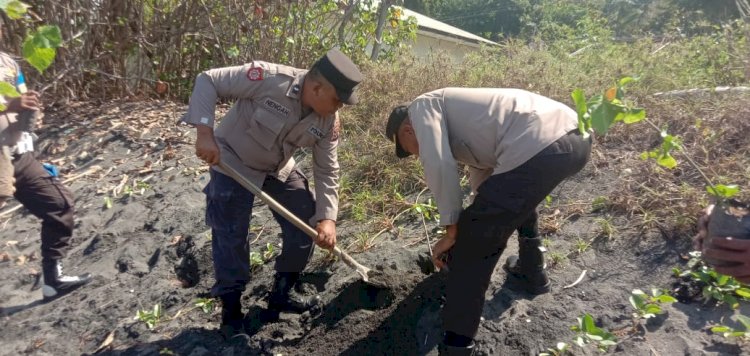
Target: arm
point(326, 176)
point(440, 169)
point(229, 82)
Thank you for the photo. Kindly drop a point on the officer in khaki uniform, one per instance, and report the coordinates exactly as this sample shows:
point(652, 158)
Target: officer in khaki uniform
point(278, 110)
point(518, 146)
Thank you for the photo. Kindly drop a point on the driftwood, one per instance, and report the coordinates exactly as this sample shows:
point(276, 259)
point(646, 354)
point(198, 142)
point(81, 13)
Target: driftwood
point(703, 92)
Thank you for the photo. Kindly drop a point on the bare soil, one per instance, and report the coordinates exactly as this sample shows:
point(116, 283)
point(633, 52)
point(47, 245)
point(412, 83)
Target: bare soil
point(151, 246)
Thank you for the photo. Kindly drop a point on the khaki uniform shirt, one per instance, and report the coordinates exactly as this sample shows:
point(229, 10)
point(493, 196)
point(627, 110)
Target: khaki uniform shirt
point(266, 125)
point(492, 131)
point(9, 130)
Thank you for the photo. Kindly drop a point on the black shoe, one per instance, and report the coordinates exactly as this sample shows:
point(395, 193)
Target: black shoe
point(455, 345)
point(535, 282)
point(281, 299)
point(57, 284)
point(231, 315)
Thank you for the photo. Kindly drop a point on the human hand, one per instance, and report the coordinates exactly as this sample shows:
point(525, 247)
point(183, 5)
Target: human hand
point(205, 146)
point(27, 101)
point(734, 251)
point(441, 248)
point(702, 228)
point(326, 234)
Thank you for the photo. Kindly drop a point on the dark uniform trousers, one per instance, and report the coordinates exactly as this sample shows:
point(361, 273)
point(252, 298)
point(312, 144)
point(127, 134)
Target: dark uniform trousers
point(505, 202)
point(48, 199)
point(228, 213)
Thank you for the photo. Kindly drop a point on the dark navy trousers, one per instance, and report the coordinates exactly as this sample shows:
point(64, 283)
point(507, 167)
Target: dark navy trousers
point(505, 202)
point(228, 212)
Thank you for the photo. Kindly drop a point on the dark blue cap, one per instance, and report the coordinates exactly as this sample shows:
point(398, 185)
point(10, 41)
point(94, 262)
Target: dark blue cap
point(342, 73)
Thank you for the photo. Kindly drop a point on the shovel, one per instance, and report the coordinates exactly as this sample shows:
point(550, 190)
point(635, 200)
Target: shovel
point(364, 272)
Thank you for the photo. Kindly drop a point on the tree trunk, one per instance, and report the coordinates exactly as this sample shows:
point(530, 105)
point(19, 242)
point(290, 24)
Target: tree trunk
point(382, 15)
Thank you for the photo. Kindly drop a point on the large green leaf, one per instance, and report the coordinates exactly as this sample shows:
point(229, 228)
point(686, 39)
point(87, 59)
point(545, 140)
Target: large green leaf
point(39, 58)
point(723, 191)
point(8, 90)
point(745, 321)
point(666, 160)
point(633, 116)
point(587, 324)
point(602, 117)
point(49, 36)
point(39, 47)
point(13, 8)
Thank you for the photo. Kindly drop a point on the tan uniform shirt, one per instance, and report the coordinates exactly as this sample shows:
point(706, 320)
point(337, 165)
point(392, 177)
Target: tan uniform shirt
point(265, 126)
point(492, 131)
point(9, 130)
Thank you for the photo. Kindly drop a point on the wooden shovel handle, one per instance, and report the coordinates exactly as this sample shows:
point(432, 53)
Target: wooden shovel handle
point(277, 207)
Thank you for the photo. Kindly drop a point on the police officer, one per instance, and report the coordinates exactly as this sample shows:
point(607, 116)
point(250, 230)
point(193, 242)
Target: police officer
point(40, 192)
point(518, 146)
point(278, 110)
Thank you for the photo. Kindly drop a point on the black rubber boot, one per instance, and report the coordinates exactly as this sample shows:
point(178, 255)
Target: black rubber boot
point(231, 314)
point(281, 299)
point(455, 345)
point(56, 283)
point(527, 269)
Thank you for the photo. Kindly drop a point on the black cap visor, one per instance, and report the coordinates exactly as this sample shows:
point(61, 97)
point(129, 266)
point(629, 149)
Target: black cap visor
point(348, 98)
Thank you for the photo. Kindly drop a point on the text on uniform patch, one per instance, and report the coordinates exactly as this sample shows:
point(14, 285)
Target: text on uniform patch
point(276, 107)
point(315, 132)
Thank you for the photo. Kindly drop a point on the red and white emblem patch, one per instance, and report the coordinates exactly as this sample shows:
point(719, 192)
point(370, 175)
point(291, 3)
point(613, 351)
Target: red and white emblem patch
point(255, 73)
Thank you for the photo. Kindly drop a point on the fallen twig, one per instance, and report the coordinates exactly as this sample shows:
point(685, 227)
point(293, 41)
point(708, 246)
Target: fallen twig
point(580, 278)
point(107, 341)
point(91, 170)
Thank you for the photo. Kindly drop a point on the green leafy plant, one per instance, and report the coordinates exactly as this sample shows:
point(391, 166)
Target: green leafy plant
point(599, 112)
point(206, 304)
point(606, 228)
point(256, 260)
point(107, 202)
point(39, 47)
point(599, 203)
point(559, 350)
point(150, 317)
point(588, 333)
point(716, 286)
point(727, 331)
point(582, 245)
point(557, 258)
point(648, 306)
point(269, 252)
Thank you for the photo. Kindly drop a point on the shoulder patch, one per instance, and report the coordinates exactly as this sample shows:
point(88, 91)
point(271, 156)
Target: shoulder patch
point(336, 129)
point(275, 107)
point(255, 73)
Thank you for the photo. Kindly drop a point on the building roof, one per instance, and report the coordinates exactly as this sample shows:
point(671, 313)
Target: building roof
point(431, 25)
point(434, 28)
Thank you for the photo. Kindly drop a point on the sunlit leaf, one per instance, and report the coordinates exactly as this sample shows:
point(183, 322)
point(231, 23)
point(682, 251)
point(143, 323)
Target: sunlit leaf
point(8, 90)
point(666, 160)
point(625, 80)
point(633, 116)
point(13, 8)
point(723, 191)
point(745, 321)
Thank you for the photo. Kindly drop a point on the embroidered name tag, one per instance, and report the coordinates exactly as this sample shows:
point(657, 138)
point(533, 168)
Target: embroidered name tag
point(315, 132)
point(276, 107)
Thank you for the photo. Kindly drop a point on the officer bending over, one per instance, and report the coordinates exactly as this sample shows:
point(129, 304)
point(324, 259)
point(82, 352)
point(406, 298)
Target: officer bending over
point(518, 146)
